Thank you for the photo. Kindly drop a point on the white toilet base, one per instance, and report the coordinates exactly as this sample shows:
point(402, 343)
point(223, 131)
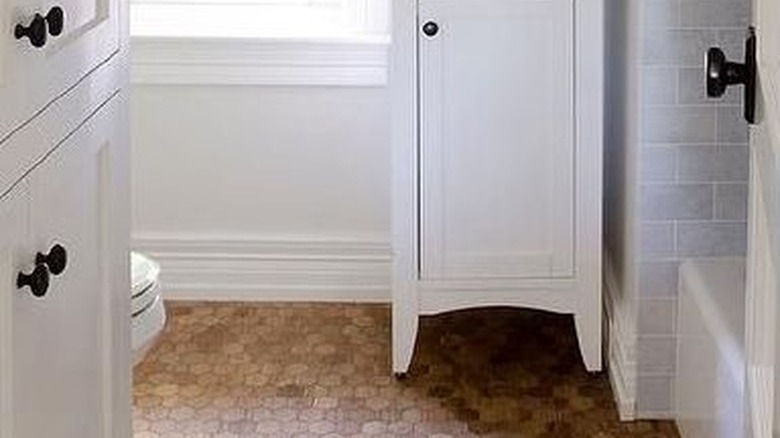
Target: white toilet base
point(146, 327)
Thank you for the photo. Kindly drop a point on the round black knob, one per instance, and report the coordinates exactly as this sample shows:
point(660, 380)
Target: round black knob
point(37, 281)
point(36, 31)
point(56, 20)
point(722, 73)
point(430, 28)
point(56, 259)
point(716, 72)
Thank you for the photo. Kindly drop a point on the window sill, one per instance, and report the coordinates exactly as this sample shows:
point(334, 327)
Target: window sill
point(166, 54)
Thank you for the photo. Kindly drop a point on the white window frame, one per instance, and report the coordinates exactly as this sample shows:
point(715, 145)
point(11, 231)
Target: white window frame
point(358, 58)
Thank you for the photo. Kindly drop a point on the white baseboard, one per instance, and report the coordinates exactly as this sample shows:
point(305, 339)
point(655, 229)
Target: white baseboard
point(621, 348)
point(251, 268)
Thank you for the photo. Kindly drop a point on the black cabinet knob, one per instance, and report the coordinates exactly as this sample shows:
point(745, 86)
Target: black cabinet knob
point(722, 74)
point(56, 259)
point(56, 20)
point(430, 28)
point(37, 281)
point(36, 31)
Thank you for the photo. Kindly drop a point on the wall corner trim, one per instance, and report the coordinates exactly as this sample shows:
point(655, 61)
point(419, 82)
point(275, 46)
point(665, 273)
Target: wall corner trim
point(621, 348)
point(271, 268)
point(357, 62)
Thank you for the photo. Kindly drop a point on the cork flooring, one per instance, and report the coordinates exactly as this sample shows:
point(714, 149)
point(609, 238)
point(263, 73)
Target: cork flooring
point(311, 370)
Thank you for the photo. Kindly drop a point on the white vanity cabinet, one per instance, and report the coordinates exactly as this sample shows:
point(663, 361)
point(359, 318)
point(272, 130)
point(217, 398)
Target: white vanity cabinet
point(64, 224)
point(59, 43)
point(497, 161)
point(63, 344)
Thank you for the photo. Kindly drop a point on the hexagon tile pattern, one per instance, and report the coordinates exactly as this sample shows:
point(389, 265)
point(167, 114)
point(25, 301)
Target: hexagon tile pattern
point(323, 370)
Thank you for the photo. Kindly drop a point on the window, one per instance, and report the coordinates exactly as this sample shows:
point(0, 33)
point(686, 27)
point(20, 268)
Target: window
point(260, 42)
point(259, 18)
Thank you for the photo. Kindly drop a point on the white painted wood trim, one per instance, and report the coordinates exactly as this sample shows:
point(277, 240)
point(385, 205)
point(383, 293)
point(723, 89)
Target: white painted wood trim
point(6, 347)
point(621, 348)
point(283, 268)
point(589, 137)
point(230, 61)
point(403, 78)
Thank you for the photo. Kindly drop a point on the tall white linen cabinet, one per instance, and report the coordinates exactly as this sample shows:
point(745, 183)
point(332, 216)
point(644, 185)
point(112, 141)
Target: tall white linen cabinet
point(497, 161)
point(64, 220)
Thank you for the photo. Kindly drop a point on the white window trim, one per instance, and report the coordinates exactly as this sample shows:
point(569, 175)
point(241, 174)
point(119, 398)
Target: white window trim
point(352, 60)
point(214, 61)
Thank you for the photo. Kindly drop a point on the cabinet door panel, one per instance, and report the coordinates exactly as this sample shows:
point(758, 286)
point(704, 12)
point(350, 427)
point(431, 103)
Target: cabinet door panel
point(32, 77)
point(68, 345)
point(497, 149)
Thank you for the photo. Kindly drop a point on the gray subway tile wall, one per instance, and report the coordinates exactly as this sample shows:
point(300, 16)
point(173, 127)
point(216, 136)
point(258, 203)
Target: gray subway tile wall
point(677, 201)
point(659, 85)
point(713, 163)
point(713, 13)
point(656, 354)
point(658, 278)
point(711, 239)
point(657, 239)
point(657, 316)
point(679, 124)
point(659, 163)
point(685, 47)
point(731, 201)
point(693, 171)
point(731, 125)
point(657, 390)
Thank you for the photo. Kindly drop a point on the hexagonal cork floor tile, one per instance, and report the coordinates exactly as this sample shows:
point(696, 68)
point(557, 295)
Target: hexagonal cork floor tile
point(322, 370)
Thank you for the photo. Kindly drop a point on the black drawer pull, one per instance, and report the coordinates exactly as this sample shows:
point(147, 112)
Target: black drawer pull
point(56, 259)
point(36, 31)
point(37, 281)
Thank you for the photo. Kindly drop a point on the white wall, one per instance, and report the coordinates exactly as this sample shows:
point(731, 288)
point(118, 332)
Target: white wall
point(286, 173)
point(254, 160)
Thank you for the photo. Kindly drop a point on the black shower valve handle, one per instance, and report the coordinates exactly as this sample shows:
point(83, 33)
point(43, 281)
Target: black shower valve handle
point(721, 73)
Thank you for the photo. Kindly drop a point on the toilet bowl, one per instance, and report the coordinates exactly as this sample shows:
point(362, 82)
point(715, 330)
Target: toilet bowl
point(148, 310)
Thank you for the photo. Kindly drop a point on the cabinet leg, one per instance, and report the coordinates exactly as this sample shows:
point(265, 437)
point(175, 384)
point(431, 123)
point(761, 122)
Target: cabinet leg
point(405, 325)
point(589, 336)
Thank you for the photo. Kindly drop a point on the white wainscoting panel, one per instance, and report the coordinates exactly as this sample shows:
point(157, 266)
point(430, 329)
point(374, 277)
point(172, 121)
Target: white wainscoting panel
point(319, 269)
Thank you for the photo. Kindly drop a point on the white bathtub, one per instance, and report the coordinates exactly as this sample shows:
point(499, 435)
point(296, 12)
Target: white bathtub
point(709, 384)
